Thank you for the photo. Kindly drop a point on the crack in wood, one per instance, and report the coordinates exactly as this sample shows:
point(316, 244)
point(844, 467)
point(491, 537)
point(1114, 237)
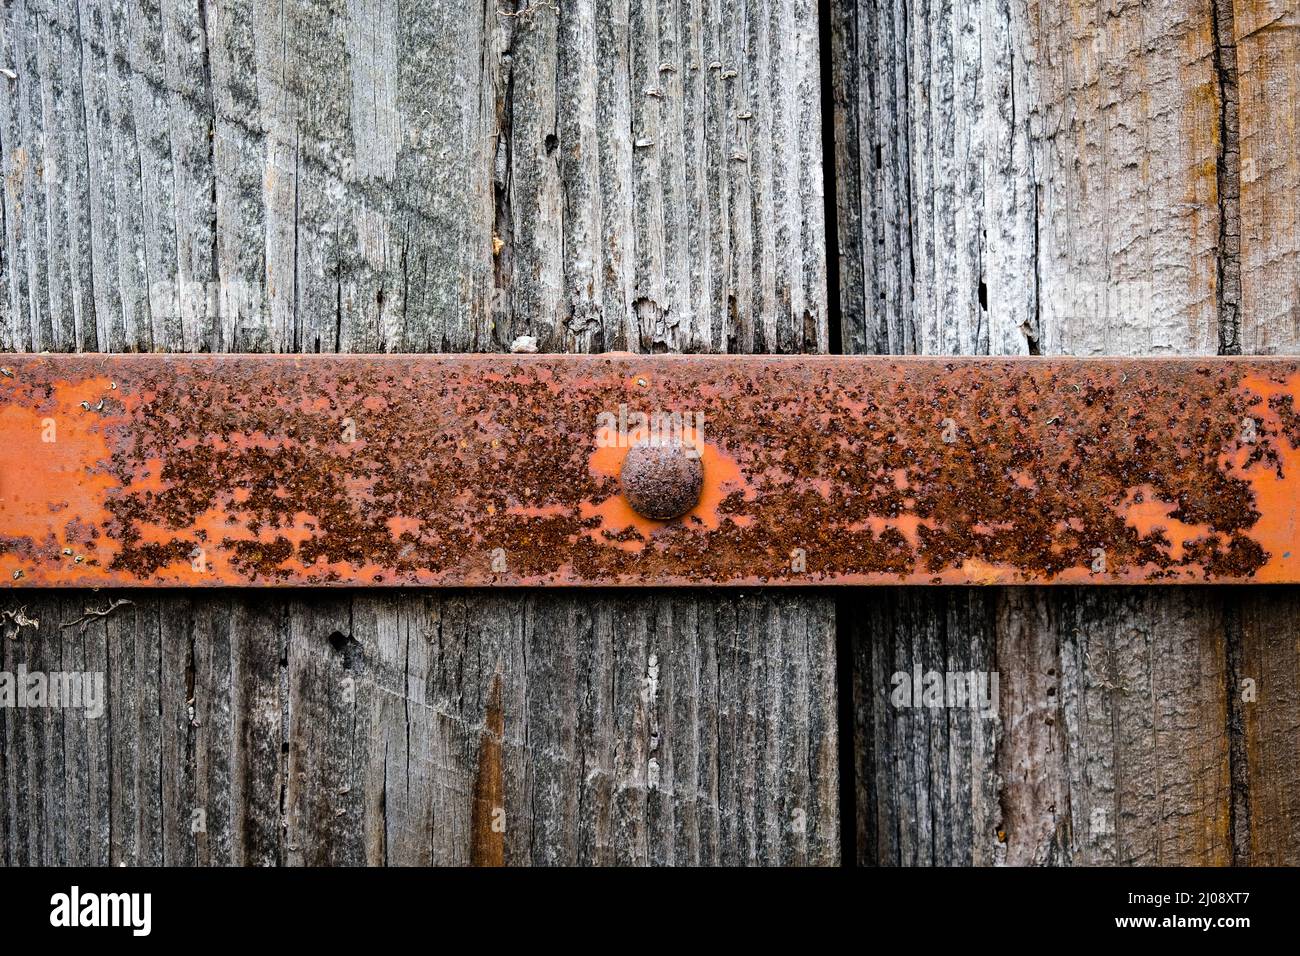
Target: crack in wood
point(1228, 262)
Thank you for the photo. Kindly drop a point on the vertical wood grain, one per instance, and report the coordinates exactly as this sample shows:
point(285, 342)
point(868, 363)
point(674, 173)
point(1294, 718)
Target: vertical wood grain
point(362, 175)
point(1265, 38)
point(1028, 177)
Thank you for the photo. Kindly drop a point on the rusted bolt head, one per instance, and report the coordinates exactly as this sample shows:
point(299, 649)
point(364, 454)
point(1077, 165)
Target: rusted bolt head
point(662, 480)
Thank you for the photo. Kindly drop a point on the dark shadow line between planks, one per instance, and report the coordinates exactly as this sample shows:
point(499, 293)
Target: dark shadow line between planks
point(844, 706)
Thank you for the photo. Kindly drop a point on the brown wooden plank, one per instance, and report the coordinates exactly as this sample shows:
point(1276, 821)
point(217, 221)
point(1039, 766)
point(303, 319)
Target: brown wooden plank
point(1265, 701)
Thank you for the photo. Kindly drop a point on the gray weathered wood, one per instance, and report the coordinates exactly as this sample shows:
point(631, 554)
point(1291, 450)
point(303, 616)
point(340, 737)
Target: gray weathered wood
point(1030, 178)
point(366, 176)
point(332, 729)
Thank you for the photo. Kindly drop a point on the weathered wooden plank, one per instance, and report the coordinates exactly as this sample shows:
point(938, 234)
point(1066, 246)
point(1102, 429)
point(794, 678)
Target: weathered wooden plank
point(1123, 114)
point(330, 176)
point(1262, 76)
point(1146, 740)
point(935, 200)
point(56, 762)
point(622, 729)
point(1265, 702)
point(927, 791)
point(1118, 734)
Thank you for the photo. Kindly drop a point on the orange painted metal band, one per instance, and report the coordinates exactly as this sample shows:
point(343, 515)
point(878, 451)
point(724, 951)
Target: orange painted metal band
point(146, 470)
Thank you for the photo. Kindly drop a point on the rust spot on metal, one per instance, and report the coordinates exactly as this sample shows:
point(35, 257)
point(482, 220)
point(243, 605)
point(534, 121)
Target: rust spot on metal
point(497, 470)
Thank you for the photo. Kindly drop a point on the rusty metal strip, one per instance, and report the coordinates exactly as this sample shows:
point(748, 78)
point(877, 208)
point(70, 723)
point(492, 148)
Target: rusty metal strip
point(505, 470)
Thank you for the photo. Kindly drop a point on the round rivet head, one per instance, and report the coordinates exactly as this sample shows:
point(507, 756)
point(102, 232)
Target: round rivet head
point(662, 481)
